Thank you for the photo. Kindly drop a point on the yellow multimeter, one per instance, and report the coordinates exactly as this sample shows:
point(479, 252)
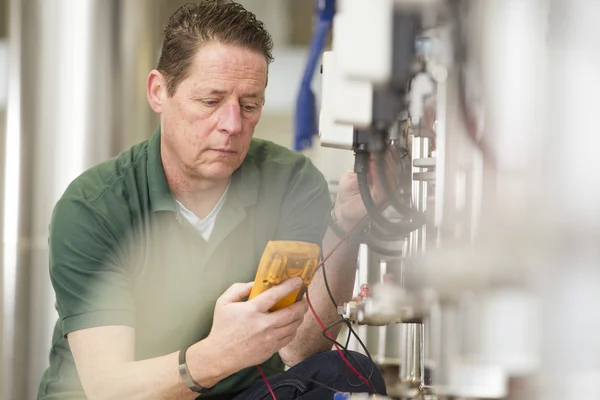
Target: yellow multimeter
point(284, 260)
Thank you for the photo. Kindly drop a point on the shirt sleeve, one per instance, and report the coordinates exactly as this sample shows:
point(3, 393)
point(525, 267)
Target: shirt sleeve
point(91, 284)
point(306, 206)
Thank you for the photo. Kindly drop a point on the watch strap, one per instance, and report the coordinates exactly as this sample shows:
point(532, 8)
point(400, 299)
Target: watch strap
point(186, 377)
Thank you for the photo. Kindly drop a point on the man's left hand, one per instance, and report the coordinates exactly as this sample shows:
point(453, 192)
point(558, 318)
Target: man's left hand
point(349, 208)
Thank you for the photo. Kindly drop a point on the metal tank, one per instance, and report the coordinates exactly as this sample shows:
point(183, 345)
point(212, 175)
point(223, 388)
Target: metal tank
point(77, 72)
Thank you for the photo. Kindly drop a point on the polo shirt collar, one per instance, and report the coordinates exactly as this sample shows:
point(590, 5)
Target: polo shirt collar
point(161, 197)
point(244, 181)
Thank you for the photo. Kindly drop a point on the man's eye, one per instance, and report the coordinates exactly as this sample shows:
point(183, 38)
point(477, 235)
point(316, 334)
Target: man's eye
point(209, 102)
point(250, 108)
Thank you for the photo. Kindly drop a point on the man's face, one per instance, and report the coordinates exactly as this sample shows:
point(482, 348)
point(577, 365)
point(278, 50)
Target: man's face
point(207, 125)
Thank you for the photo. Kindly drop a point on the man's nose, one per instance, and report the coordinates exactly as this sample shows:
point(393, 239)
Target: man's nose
point(230, 119)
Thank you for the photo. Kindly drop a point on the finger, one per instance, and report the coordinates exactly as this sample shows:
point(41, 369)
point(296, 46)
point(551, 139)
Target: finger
point(236, 292)
point(285, 331)
point(267, 299)
point(285, 341)
point(289, 314)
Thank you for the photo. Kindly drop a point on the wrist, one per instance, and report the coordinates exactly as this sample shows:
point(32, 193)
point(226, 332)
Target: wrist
point(341, 220)
point(206, 366)
point(349, 231)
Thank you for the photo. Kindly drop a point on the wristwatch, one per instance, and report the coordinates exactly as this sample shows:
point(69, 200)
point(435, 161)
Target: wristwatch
point(352, 237)
point(184, 372)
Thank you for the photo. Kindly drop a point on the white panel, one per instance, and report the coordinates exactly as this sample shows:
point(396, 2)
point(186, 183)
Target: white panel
point(362, 36)
point(353, 102)
point(331, 133)
point(339, 136)
point(350, 102)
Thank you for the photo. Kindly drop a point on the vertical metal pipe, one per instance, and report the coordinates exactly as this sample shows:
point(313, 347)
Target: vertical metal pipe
point(440, 137)
point(66, 137)
point(388, 345)
point(362, 271)
point(381, 356)
point(369, 273)
point(11, 187)
point(445, 344)
point(67, 72)
point(416, 195)
point(423, 194)
point(139, 26)
point(571, 280)
point(412, 369)
point(455, 161)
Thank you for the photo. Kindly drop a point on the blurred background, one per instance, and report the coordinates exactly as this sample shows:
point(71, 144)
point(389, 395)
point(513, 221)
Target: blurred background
point(72, 93)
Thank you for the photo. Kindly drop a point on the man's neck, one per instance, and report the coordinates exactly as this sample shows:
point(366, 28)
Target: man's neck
point(198, 195)
point(201, 199)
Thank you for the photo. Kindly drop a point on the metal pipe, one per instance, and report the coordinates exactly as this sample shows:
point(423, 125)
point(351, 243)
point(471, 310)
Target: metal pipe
point(423, 194)
point(10, 226)
point(445, 341)
point(415, 236)
point(362, 270)
point(67, 111)
point(412, 369)
point(388, 351)
point(570, 279)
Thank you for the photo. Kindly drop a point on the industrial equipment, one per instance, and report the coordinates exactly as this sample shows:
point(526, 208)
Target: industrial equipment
point(482, 265)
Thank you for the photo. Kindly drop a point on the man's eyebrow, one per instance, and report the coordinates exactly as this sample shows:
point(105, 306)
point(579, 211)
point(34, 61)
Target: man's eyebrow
point(219, 92)
point(253, 95)
point(209, 92)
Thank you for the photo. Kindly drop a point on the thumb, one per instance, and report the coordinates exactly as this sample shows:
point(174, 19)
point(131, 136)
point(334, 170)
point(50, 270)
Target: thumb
point(236, 292)
point(267, 299)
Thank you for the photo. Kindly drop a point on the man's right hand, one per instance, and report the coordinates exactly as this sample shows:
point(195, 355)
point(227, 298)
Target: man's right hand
point(245, 334)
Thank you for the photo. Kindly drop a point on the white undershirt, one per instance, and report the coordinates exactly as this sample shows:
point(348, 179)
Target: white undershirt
point(204, 226)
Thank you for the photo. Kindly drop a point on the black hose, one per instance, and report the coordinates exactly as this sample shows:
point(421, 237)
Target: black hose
point(361, 162)
point(381, 235)
point(416, 217)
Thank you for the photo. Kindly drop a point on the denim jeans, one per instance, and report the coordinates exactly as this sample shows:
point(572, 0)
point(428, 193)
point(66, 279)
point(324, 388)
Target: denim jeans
point(327, 368)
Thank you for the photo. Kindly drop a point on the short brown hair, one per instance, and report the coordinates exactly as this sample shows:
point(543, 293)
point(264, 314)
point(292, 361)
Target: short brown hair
point(196, 24)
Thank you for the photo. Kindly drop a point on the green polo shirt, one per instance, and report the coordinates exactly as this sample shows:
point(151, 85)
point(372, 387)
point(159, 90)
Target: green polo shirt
point(120, 253)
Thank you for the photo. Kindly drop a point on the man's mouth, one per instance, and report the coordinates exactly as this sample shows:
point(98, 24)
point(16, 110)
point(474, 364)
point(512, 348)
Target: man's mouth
point(225, 151)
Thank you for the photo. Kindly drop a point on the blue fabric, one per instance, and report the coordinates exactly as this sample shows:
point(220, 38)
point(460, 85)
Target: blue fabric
point(305, 124)
point(327, 368)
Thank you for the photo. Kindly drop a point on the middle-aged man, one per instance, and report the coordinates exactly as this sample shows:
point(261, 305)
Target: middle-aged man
point(151, 252)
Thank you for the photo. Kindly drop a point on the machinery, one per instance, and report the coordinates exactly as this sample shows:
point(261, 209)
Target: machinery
point(480, 270)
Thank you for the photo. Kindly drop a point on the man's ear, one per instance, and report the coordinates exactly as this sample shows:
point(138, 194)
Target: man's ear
point(156, 90)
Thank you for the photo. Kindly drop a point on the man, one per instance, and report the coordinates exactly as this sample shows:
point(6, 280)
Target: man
point(148, 250)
